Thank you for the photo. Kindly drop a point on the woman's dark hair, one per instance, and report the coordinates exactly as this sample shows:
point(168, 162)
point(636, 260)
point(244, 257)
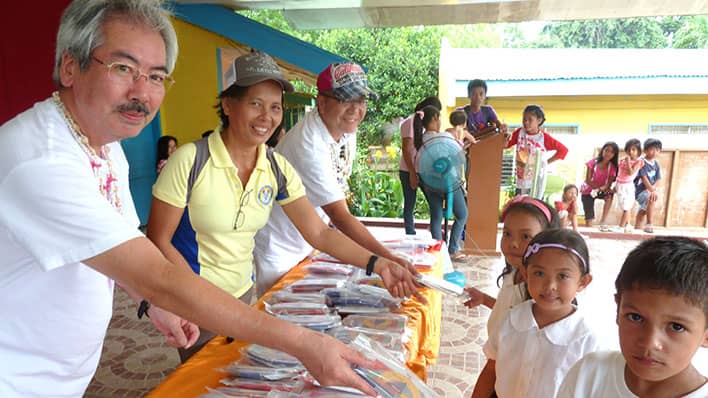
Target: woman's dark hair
point(476, 83)
point(163, 147)
point(633, 143)
point(429, 101)
point(565, 237)
point(232, 92)
point(458, 118)
point(538, 111)
point(532, 210)
point(615, 159)
point(569, 187)
point(429, 113)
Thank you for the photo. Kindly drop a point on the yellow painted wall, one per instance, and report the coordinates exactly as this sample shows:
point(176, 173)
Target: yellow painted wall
point(629, 114)
point(187, 110)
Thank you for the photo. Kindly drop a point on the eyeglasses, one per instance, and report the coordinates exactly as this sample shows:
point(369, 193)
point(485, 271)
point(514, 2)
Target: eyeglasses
point(361, 101)
point(128, 74)
point(240, 215)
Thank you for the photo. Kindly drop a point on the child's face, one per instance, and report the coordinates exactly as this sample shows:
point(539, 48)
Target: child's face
point(553, 278)
point(633, 152)
point(608, 153)
point(651, 152)
point(531, 122)
point(519, 228)
point(659, 334)
point(477, 96)
point(171, 147)
point(570, 195)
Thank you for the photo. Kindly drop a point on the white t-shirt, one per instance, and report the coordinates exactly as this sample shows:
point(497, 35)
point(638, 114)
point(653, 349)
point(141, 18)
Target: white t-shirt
point(324, 165)
point(54, 309)
point(509, 296)
point(601, 374)
point(532, 362)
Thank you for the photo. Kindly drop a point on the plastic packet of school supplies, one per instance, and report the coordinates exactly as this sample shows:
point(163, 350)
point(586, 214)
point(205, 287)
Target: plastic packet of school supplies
point(440, 285)
point(388, 322)
point(314, 285)
point(259, 385)
point(329, 268)
point(324, 257)
point(390, 341)
point(353, 296)
point(255, 372)
point(394, 380)
point(297, 309)
point(286, 296)
point(231, 392)
point(319, 323)
point(270, 357)
point(316, 392)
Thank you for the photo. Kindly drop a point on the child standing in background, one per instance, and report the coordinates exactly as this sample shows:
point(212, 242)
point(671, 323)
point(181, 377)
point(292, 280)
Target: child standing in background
point(662, 315)
point(600, 176)
point(628, 168)
point(531, 144)
point(649, 176)
point(523, 217)
point(480, 116)
point(568, 208)
point(540, 339)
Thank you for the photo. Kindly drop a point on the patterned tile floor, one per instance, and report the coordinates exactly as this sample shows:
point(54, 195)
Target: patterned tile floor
point(135, 360)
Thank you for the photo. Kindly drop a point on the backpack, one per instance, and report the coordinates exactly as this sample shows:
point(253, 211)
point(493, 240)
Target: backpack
point(203, 155)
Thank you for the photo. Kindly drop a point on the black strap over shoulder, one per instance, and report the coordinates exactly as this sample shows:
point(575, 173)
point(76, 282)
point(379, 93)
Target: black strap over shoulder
point(279, 176)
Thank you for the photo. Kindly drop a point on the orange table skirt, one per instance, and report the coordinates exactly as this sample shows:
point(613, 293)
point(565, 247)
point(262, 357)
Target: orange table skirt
point(191, 378)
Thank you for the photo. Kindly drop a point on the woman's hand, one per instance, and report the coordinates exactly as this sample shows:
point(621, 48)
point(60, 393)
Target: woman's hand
point(178, 332)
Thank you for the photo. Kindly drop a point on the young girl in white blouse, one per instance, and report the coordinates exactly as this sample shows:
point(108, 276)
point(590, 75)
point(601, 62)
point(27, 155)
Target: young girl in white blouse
point(523, 217)
point(539, 340)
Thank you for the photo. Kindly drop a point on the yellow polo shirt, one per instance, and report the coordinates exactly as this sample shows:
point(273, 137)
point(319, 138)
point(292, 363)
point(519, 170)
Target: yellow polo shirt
point(215, 234)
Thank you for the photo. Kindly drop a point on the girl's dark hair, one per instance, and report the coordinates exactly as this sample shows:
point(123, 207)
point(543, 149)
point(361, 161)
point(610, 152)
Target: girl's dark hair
point(615, 159)
point(532, 210)
point(567, 238)
point(429, 101)
point(429, 113)
point(458, 118)
point(569, 187)
point(232, 92)
point(163, 147)
point(538, 111)
point(633, 143)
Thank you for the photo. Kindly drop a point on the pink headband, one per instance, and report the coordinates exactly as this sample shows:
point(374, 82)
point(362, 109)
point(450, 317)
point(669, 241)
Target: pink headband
point(527, 199)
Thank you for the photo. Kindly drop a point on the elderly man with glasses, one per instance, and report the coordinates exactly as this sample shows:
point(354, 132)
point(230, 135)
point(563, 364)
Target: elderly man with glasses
point(321, 147)
point(68, 227)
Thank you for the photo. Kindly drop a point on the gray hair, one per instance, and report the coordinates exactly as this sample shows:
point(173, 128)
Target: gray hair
point(80, 31)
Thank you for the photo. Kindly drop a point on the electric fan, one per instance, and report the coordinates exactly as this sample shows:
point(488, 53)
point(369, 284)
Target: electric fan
point(441, 166)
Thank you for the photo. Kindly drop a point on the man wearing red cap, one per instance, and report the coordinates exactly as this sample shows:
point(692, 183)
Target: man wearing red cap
point(321, 147)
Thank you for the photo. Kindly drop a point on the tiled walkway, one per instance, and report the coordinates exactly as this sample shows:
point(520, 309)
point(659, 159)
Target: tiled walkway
point(135, 360)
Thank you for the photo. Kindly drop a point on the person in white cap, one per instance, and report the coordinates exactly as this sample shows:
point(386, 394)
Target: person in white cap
point(68, 226)
point(321, 147)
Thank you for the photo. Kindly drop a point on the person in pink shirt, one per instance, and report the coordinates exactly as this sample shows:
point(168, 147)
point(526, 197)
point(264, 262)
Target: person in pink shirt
point(629, 167)
point(601, 174)
point(530, 164)
point(406, 166)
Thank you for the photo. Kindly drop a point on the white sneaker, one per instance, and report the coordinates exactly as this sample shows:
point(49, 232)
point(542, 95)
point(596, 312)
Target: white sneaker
point(628, 229)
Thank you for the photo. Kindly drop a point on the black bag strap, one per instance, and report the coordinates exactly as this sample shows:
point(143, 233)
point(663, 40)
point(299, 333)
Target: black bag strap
point(202, 156)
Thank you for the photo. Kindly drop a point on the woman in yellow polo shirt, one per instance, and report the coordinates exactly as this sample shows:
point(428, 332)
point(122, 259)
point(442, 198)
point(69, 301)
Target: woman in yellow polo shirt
point(208, 221)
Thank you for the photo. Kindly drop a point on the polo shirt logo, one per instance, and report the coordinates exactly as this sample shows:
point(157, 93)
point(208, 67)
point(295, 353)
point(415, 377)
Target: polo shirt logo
point(265, 195)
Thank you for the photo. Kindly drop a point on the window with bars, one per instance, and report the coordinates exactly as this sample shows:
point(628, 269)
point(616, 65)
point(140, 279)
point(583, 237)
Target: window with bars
point(693, 129)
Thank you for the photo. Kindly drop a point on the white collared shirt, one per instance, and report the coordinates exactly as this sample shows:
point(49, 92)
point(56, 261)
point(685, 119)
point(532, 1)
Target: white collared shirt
point(532, 362)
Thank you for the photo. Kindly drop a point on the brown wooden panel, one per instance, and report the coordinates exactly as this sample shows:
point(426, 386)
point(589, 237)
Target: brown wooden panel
point(690, 190)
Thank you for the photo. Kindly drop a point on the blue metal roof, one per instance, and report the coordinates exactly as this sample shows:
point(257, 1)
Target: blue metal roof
point(225, 22)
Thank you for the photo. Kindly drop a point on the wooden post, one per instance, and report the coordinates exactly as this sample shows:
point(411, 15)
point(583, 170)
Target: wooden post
point(483, 183)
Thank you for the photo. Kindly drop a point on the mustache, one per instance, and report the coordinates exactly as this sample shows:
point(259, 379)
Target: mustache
point(134, 106)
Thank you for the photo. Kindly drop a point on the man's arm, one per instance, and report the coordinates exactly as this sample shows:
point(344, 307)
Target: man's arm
point(139, 265)
point(350, 226)
point(398, 279)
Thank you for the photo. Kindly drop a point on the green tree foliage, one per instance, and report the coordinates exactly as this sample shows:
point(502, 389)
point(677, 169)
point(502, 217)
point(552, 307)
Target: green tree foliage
point(606, 33)
point(692, 34)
